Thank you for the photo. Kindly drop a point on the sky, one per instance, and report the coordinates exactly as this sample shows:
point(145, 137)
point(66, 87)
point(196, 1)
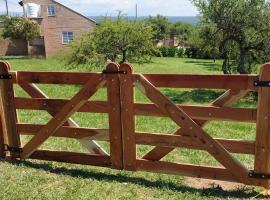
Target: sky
point(111, 7)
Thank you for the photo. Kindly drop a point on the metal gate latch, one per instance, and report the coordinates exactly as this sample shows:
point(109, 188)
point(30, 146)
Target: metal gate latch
point(262, 83)
point(5, 76)
point(114, 72)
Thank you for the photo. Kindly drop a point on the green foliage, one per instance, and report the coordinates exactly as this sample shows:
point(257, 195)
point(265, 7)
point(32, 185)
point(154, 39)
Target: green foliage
point(118, 40)
point(183, 31)
point(241, 22)
point(180, 52)
point(168, 51)
point(160, 26)
point(20, 28)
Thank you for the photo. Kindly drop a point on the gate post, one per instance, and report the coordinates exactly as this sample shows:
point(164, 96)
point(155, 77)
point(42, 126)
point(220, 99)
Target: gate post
point(9, 114)
point(113, 92)
point(128, 117)
point(262, 151)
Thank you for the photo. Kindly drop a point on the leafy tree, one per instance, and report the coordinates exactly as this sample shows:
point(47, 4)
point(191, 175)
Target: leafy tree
point(243, 27)
point(183, 31)
point(160, 25)
point(118, 40)
point(20, 28)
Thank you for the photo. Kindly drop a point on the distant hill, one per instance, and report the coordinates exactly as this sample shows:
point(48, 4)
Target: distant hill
point(186, 19)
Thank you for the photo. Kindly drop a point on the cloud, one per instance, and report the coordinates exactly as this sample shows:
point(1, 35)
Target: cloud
point(110, 7)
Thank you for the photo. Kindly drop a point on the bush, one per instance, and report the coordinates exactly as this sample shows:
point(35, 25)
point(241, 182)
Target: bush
point(164, 51)
point(180, 52)
point(172, 51)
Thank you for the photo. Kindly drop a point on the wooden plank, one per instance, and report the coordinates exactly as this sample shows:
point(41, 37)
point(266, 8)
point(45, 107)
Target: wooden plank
point(262, 156)
point(62, 116)
point(73, 78)
point(72, 157)
point(57, 104)
point(35, 92)
point(236, 82)
point(128, 117)
point(9, 114)
point(177, 141)
point(227, 99)
point(2, 138)
point(114, 108)
point(204, 112)
point(196, 171)
point(66, 132)
point(207, 113)
point(192, 129)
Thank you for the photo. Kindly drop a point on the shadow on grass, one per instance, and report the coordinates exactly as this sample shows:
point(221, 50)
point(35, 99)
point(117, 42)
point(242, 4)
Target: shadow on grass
point(157, 184)
point(208, 65)
point(196, 96)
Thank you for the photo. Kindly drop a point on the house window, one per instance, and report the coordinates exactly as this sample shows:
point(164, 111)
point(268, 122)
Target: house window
point(67, 37)
point(51, 10)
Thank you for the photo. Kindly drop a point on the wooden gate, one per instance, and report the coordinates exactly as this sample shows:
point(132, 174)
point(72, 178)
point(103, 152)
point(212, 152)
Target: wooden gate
point(122, 110)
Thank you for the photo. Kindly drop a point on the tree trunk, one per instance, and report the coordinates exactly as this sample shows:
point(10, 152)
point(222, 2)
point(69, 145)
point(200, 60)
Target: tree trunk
point(7, 7)
point(242, 65)
point(124, 59)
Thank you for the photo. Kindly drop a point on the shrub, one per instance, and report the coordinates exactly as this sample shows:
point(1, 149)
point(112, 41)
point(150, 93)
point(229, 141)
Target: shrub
point(164, 51)
point(180, 52)
point(172, 51)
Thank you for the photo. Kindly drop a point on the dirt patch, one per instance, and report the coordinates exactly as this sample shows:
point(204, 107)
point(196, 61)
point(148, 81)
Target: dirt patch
point(206, 184)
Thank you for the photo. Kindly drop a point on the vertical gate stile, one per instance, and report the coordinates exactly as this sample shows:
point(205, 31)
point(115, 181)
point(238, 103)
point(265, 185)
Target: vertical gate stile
point(114, 107)
point(2, 138)
point(262, 151)
point(128, 117)
point(9, 114)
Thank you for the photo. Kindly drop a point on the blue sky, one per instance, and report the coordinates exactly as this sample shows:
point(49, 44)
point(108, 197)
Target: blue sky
point(110, 7)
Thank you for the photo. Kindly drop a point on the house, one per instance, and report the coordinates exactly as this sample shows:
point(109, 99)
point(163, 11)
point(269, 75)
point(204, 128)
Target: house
point(59, 25)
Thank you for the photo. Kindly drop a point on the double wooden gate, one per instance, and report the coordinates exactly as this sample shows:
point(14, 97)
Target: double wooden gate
point(122, 110)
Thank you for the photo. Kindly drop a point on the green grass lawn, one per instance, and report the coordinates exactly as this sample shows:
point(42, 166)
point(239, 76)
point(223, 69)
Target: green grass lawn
point(50, 180)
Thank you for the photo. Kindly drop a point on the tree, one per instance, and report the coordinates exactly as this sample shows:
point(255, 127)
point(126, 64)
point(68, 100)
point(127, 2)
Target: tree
point(244, 26)
point(160, 26)
point(183, 31)
point(118, 40)
point(20, 28)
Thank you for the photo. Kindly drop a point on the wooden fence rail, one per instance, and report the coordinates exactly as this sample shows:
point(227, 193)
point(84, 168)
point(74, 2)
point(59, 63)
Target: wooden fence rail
point(122, 109)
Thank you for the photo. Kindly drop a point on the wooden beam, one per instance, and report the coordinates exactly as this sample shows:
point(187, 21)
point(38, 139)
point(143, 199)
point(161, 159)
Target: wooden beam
point(66, 132)
point(178, 141)
point(196, 171)
point(204, 112)
point(194, 130)
point(71, 78)
point(262, 156)
point(35, 92)
point(227, 99)
point(114, 108)
point(248, 115)
point(8, 114)
point(128, 117)
point(236, 82)
point(72, 157)
point(62, 116)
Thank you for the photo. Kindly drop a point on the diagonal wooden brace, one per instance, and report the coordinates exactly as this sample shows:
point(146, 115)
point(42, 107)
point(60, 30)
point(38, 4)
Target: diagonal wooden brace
point(227, 99)
point(35, 92)
point(62, 116)
point(238, 170)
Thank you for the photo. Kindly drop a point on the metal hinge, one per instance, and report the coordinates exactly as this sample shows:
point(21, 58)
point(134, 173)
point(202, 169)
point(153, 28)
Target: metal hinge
point(253, 174)
point(8, 148)
point(114, 72)
point(5, 76)
point(262, 83)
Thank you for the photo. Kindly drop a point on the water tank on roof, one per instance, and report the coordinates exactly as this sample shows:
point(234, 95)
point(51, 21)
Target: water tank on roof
point(32, 10)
